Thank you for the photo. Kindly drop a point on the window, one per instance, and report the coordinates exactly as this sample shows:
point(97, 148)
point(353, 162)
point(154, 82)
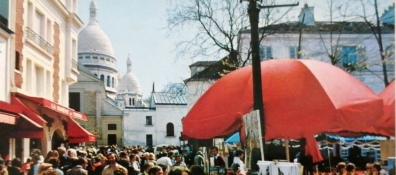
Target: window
point(149, 140)
point(133, 101)
point(101, 58)
point(39, 27)
point(170, 131)
point(4, 11)
point(74, 100)
point(112, 82)
point(87, 57)
point(80, 57)
point(96, 75)
point(17, 60)
point(111, 126)
point(94, 57)
point(293, 52)
point(149, 120)
point(348, 56)
point(265, 52)
point(108, 81)
point(102, 77)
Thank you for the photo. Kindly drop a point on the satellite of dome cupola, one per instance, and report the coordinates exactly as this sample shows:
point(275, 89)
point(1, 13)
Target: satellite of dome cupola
point(95, 52)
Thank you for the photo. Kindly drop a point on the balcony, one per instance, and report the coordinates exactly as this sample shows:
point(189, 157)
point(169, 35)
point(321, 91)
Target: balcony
point(37, 39)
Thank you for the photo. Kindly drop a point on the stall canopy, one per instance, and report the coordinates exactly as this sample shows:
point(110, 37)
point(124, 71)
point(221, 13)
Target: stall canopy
point(77, 134)
point(301, 98)
point(386, 124)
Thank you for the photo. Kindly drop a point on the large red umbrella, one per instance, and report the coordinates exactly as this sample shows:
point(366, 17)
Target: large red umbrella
point(386, 125)
point(301, 98)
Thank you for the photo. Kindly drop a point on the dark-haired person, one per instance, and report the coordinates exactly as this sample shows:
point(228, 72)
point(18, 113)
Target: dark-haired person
point(79, 165)
point(218, 160)
point(196, 170)
point(238, 159)
point(350, 169)
point(111, 158)
point(177, 170)
point(155, 170)
point(55, 164)
point(15, 168)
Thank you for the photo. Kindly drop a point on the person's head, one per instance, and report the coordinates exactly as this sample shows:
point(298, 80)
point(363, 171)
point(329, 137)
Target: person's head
point(120, 171)
point(199, 153)
point(49, 172)
point(29, 160)
point(83, 162)
point(151, 156)
point(369, 167)
point(43, 167)
point(214, 150)
point(178, 170)
point(36, 151)
point(164, 168)
point(71, 152)
point(54, 161)
point(178, 158)
point(35, 158)
point(111, 157)
point(61, 150)
point(341, 167)
point(196, 170)
point(350, 167)
point(155, 170)
point(148, 165)
point(123, 155)
point(377, 167)
point(16, 162)
point(239, 153)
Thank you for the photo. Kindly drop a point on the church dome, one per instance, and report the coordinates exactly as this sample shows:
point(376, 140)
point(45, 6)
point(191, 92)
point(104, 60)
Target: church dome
point(92, 38)
point(129, 83)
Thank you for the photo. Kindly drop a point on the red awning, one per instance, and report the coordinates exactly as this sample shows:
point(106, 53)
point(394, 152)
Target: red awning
point(55, 107)
point(77, 134)
point(26, 123)
point(7, 118)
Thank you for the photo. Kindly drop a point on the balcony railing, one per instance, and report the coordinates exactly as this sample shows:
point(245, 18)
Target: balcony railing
point(36, 38)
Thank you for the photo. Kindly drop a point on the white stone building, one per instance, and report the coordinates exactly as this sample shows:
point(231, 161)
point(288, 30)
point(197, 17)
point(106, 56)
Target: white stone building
point(118, 114)
point(352, 44)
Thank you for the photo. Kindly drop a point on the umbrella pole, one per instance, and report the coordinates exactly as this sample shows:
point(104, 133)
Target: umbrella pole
point(287, 150)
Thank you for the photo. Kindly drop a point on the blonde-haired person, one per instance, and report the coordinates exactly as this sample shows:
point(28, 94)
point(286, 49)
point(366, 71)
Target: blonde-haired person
point(341, 168)
point(44, 167)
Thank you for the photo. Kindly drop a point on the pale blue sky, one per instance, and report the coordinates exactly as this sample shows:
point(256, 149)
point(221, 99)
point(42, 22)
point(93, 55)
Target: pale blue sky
point(137, 28)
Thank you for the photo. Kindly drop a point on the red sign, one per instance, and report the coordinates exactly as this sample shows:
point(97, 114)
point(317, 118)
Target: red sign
point(64, 110)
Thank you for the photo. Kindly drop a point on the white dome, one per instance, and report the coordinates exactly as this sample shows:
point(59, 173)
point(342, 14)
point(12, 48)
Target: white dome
point(129, 83)
point(92, 38)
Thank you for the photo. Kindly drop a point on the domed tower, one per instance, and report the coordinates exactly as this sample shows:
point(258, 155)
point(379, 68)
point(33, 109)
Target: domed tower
point(129, 92)
point(95, 52)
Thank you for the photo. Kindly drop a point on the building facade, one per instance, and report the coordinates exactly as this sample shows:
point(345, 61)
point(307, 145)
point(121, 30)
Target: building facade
point(39, 44)
point(350, 45)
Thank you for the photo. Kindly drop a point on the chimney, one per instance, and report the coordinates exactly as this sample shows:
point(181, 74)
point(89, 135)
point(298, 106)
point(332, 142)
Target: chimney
point(307, 16)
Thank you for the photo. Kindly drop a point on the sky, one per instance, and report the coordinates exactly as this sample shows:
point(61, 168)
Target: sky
point(138, 29)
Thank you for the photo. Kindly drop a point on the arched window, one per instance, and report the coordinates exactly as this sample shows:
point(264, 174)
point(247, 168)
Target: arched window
point(133, 101)
point(96, 75)
point(130, 101)
point(112, 82)
point(102, 77)
point(170, 131)
point(108, 81)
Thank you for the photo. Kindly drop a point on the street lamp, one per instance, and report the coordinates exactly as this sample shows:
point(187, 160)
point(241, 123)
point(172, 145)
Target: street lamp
point(254, 11)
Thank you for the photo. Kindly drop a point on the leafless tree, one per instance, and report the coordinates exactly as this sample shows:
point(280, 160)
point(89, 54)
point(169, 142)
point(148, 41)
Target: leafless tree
point(217, 25)
point(386, 52)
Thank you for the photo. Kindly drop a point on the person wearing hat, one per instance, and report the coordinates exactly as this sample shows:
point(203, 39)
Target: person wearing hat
point(199, 160)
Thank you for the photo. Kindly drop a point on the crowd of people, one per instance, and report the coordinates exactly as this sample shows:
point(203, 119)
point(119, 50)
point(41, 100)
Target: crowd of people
point(132, 160)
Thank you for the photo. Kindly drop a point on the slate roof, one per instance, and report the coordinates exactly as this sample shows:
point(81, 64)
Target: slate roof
point(163, 98)
point(340, 27)
point(214, 71)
